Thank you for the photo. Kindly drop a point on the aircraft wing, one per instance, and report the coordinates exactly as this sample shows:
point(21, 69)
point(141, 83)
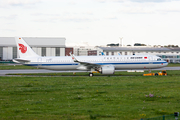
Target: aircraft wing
point(87, 64)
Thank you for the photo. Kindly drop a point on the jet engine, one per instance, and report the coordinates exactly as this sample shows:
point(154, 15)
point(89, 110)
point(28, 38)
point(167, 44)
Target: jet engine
point(107, 70)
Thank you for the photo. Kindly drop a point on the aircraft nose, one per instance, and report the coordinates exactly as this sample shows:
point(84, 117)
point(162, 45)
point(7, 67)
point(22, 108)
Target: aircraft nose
point(165, 64)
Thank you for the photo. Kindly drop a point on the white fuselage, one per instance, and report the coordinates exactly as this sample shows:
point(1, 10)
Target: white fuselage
point(119, 62)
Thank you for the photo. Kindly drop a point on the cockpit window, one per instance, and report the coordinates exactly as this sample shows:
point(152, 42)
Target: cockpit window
point(159, 59)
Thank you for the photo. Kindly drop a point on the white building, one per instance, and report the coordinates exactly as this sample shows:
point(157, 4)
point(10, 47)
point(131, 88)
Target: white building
point(55, 46)
point(142, 50)
point(83, 50)
point(169, 54)
point(43, 46)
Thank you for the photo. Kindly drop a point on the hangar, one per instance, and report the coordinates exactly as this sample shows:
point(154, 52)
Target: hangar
point(43, 46)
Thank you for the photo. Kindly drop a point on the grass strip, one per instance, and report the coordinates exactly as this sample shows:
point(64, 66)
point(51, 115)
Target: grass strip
point(125, 98)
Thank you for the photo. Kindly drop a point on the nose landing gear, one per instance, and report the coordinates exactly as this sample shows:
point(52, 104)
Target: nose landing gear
point(90, 74)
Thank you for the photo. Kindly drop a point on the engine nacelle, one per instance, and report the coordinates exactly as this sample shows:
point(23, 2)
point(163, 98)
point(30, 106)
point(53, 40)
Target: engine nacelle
point(107, 70)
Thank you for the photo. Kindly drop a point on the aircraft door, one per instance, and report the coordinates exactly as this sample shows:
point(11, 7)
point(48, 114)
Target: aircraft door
point(150, 60)
point(39, 61)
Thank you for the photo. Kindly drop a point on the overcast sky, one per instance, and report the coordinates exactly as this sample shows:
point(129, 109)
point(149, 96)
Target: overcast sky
point(98, 22)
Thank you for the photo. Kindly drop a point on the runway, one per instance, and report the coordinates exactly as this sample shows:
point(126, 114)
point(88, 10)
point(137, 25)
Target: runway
point(4, 72)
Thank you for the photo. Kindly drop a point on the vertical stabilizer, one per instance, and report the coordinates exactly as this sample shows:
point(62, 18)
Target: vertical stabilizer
point(24, 49)
point(102, 54)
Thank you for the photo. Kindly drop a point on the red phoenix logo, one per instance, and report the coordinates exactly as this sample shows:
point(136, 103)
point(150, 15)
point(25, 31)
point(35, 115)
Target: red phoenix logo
point(22, 48)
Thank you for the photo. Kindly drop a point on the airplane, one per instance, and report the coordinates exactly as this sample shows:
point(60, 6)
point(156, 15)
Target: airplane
point(92, 64)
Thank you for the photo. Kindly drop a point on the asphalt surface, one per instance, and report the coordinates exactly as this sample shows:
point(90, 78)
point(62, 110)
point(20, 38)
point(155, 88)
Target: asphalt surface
point(4, 72)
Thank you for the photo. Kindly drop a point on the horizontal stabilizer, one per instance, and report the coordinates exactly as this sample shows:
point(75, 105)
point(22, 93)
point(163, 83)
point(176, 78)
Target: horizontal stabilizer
point(18, 60)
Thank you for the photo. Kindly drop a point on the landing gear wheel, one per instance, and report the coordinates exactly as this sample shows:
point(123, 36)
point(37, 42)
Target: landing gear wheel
point(156, 74)
point(90, 74)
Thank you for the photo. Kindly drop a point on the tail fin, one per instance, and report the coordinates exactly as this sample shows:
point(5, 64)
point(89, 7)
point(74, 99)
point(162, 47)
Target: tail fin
point(102, 54)
point(24, 49)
